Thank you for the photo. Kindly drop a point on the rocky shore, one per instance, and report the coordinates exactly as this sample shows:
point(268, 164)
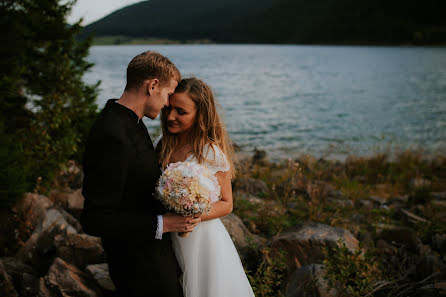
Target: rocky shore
point(305, 227)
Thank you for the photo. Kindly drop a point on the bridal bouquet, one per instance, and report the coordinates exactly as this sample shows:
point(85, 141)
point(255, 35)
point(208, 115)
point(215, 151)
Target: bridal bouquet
point(188, 188)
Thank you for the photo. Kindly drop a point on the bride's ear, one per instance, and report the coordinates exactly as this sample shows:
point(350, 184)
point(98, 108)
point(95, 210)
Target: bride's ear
point(151, 85)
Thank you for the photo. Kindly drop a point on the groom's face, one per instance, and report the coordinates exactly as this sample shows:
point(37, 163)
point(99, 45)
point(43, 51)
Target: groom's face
point(159, 97)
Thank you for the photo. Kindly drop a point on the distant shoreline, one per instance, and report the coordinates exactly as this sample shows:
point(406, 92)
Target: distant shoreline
point(128, 40)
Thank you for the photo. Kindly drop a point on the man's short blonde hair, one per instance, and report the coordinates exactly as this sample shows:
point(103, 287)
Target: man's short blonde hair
point(149, 65)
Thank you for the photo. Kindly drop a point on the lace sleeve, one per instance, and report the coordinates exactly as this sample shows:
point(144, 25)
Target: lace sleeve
point(215, 159)
point(157, 140)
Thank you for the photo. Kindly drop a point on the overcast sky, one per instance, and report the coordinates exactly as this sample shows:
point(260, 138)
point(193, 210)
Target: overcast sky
point(92, 10)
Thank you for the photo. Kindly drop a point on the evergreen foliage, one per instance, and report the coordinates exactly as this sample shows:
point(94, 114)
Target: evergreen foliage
point(46, 109)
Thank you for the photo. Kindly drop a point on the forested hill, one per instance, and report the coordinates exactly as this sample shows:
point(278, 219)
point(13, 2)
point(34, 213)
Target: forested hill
point(281, 21)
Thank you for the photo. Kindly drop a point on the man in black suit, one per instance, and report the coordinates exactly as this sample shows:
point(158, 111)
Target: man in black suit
point(120, 175)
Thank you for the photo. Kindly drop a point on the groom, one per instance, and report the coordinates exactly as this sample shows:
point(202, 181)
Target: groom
point(121, 171)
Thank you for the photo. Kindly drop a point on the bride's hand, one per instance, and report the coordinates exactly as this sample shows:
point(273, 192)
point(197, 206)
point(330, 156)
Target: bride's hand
point(176, 223)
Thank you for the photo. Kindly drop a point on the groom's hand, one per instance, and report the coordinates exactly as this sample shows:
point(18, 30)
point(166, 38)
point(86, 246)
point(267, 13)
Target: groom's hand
point(176, 223)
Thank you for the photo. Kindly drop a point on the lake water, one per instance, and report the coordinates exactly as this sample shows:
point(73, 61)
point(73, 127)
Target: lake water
point(329, 101)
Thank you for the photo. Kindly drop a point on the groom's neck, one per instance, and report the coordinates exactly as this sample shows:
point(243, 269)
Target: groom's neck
point(132, 101)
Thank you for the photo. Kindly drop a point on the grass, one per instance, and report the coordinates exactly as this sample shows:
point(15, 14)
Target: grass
point(339, 194)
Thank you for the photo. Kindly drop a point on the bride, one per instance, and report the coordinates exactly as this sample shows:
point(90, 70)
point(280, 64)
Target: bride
point(193, 131)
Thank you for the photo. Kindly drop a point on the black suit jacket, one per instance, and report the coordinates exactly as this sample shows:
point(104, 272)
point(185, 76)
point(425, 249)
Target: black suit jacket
point(120, 175)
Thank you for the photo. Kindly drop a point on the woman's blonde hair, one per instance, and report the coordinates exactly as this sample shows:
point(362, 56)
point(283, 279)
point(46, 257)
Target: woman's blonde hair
point(207, 129)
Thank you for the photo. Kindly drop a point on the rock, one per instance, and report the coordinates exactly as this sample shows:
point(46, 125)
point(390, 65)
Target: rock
point(43, 289)
point(403, 236)
point(24, 278)
point(308, 281)
point(250, 185)
point(32, 209)
point(64, 279)
point(379, 201)
point(366, 204)
point(419, 182)
point(39, 250)
point(99, 272)
point(79, 249)
point(75, 200)
point(58, 216)
point(6, 286)
point(240, 234)
point(307, 243)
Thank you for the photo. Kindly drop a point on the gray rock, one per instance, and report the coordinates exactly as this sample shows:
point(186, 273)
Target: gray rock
point(250, 185)
point(99, 272)
point(6, 286)
point(307, 243)
point(64, 279)
point(240, 234)
point(308, 281)
point(57, 216)
point(39, 250)
point(79, 249)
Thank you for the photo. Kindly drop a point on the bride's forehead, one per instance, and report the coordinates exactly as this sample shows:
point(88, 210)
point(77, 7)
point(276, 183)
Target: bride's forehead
point(182, 100)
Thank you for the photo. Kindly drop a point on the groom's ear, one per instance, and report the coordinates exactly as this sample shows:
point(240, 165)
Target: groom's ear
point(151, 85)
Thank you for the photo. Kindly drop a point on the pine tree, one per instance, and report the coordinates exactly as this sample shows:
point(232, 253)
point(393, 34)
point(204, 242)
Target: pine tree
point(46, 109)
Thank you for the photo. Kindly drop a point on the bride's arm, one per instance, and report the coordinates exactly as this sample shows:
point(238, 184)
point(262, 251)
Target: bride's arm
point(224, 206)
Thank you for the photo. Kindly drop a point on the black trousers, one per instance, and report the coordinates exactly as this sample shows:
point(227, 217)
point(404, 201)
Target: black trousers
point(147, 270)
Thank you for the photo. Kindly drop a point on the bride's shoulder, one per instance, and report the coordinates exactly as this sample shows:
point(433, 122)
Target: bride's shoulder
point(215, 158)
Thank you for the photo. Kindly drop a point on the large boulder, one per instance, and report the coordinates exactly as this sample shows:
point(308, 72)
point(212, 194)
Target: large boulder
point(23, 276)
point(6, 286)
point(240, 235)
point(72, 201)
point(307, 243)
point(64, 279)
point(31, 211)
point(39, 250)
point(79, 249)
point(99, 272)
point(308, 281)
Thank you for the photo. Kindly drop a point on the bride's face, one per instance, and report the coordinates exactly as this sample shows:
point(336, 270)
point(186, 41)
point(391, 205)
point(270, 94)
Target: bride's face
point(181, 113)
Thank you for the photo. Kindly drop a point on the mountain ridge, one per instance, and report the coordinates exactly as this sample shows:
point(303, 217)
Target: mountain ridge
point(279, 21)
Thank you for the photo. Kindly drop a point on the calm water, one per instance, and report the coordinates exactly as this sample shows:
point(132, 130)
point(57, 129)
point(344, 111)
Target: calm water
point(329, 101)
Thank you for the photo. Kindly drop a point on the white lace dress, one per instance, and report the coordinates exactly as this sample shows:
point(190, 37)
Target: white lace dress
point(210, 263)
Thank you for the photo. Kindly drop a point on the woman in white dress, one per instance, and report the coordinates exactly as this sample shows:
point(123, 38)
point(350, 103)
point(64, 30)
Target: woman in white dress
point(193, 131)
